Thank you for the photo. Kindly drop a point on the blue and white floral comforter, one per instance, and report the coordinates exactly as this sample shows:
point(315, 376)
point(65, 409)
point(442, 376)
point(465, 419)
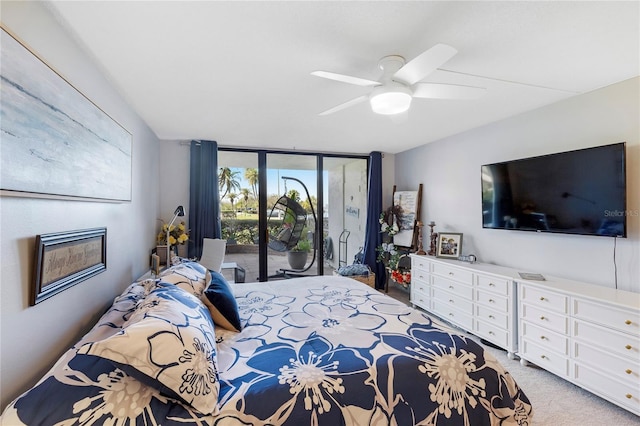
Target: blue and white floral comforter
point(313, 351)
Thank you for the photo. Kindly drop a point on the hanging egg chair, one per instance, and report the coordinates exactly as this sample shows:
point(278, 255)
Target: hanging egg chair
point(289, 231)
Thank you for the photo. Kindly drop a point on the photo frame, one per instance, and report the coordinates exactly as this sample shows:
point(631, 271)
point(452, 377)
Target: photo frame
point(449, 245)
point(64, 259)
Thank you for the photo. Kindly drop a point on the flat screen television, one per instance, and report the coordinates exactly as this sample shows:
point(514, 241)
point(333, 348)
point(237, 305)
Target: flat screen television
point(575, 192)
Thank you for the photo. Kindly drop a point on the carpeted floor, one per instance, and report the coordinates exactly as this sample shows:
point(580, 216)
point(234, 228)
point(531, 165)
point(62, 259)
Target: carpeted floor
point(555, 401)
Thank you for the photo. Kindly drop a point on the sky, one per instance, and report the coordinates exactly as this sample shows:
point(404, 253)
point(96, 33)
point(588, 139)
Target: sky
point(276, 185)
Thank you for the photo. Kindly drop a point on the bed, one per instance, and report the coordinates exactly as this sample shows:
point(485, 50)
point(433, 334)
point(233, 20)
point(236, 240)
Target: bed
point(190, 349)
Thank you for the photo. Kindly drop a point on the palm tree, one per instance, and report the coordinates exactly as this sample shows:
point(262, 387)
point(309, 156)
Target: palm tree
point(232, 197)
point(245, 197)
point(228, 180)
point(251, 175)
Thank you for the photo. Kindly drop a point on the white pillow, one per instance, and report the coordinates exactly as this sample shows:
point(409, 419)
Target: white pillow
point(189, 276)
point(168, 343)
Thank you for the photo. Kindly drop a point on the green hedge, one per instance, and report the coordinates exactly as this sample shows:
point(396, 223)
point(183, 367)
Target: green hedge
point(243, 231)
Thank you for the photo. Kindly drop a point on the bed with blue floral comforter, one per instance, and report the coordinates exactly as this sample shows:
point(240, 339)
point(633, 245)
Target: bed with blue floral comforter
point(312, 351)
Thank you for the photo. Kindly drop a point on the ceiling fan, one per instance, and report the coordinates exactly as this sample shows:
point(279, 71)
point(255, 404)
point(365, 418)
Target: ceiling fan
point(400, 82)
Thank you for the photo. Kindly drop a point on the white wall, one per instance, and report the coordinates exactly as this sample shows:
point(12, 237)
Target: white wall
point(32, 338)
point(174, 180)
point(450, 172)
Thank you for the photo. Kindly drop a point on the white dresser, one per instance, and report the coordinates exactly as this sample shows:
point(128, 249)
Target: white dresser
point(589, 335)
point(478, 298)
point(586, 334)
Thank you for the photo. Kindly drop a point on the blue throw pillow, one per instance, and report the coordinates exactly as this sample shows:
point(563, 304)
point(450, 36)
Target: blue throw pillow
point(221, 303)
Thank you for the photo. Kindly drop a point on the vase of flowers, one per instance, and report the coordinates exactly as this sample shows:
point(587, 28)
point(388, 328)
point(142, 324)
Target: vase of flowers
point(178, 237)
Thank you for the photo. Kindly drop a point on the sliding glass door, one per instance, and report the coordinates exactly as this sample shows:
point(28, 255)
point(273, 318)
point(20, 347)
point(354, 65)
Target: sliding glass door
point(238, 184)
point(291, 214)
point(292, 188)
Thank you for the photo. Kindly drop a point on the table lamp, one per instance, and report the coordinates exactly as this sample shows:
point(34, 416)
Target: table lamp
point(178, 212)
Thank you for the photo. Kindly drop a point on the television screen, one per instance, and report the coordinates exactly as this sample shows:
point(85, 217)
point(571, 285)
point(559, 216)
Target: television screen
point(574, 192)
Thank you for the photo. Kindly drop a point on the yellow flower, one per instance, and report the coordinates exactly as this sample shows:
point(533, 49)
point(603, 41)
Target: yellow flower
point(178, 234)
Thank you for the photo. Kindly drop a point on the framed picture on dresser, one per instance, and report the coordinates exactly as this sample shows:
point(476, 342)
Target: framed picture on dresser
point(449, 245)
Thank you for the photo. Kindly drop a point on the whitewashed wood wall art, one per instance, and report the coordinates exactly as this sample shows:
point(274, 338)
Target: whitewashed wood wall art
point(55, 141)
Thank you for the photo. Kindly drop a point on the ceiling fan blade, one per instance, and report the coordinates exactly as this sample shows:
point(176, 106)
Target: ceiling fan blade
point(425, 63)
point(446, 91)
point(345, 105)
point(345, 78)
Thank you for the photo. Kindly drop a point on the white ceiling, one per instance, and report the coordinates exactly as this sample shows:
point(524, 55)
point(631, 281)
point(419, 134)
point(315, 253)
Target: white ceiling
point(238, 72)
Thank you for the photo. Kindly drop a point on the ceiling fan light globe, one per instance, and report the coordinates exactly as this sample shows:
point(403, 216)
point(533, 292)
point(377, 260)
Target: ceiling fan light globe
point(389, 101)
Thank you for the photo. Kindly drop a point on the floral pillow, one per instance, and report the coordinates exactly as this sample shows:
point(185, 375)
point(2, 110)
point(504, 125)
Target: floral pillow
point(167, 343)
point(189, 276)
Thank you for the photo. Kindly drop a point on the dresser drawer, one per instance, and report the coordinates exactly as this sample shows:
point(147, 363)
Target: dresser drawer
point(420, 275)
point(493, 284)
point(627, 370)
point(493, 300)
point(420, 298)
point(617, 319)
point(543, 357)
point(545, 338)
point(421, 264)
point(420, 285)
point(622, 344)
point(454, 300)
point(608, 387)
point(496, 335)
point(498, 319)
point(453, 273)
point(545, 299)
point(461, 290)
point(547, 319)
point(450, 313)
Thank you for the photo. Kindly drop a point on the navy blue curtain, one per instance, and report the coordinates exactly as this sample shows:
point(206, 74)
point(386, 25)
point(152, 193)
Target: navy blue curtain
point(204, 208)
point(373, 236)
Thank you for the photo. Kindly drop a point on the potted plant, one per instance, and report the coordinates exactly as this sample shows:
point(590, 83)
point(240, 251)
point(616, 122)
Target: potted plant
point(297, 256)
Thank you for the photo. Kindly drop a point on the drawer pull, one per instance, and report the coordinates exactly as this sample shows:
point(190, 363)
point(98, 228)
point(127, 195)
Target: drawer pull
point(451, 273)
point(492, 301)
point(492, 285)
point(543, 356)
point(450, 300)
point(628, 347)
point(628, 371)
point(629, 396)
point(543, 338)
point(491, 333)
point(628, 322)
point(451, 286)
point(492, 317)
point(450, 314)
point(542, 298)
point(542, 318)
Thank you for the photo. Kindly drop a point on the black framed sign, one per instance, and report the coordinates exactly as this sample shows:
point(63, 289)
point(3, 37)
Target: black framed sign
point(64, 259)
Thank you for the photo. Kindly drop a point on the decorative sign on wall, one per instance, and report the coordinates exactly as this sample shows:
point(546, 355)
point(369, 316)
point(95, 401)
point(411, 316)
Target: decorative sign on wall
point(55, 141)
point(64, 259)
point(409, 203)
point(352, 211)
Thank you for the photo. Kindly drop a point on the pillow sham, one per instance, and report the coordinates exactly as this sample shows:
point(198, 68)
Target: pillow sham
point(219, 298)
point(168, 343)
point(189, 276)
